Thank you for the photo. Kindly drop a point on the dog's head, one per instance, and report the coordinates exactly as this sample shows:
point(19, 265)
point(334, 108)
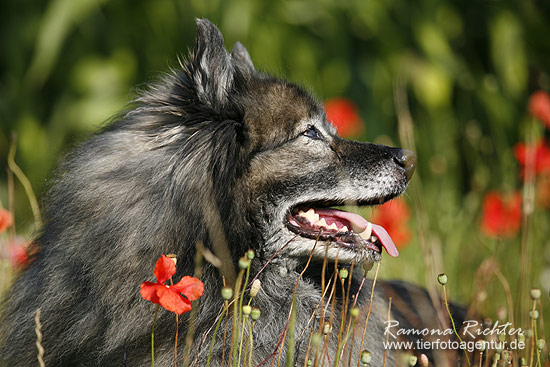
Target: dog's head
point(277, 166)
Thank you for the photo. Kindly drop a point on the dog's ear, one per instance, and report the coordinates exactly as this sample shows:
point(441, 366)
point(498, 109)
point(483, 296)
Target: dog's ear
point(211, 66)
point(242, 59)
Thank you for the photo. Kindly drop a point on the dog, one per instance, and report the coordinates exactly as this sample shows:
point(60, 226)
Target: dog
point(219, 154)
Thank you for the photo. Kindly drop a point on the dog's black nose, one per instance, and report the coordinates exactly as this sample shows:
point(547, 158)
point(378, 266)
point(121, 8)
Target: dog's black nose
point(407, 160)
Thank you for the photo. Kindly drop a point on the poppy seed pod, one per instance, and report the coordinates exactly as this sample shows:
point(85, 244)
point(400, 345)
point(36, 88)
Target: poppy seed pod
point(255, 314)
point(442, 278)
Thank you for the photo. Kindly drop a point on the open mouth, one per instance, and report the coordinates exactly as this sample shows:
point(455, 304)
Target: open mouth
point(345, 229)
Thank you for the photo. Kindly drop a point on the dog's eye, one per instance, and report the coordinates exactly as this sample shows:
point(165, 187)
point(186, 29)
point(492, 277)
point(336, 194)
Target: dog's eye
point(313, 133)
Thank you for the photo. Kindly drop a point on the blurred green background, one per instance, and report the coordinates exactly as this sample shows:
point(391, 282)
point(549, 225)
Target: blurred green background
point(468, 68)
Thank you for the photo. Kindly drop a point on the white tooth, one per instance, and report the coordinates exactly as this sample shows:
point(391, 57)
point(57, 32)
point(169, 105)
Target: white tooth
point(367, 232)
point(333, 226)
point(343, 229)
point(373, 239)
point(321, 223)
point(311, 216)
point(301, 212)
point(356, 229)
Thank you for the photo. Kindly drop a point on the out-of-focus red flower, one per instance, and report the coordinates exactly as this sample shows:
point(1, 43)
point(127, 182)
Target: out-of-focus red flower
point(501, 214)
point(6, 220)
point(539, 106)
point(344, 116)
point(394, 216)
point(170, 296)
point(17, 251)
point(541, 152)
point(22, 254)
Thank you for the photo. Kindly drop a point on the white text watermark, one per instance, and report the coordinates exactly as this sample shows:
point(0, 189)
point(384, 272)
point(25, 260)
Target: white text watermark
point(505, 337)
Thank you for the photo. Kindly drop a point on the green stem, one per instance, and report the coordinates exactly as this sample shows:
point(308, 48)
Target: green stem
point(291, 334)
point(342, 321)
point(341, 345)
point(535, 335)
point(453, 322)
point(245, 319)
point(153, 336)
point(241, 314)
point(216, 332)
point(26, 184)
point(234, 332)
point(250, 341)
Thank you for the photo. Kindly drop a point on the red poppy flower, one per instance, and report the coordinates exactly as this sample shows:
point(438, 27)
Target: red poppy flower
point(393, 216)
point(539, 106)
point(344, 116)
point(501, 214)
point(17, 251)
point(6, 220)
point(541, 152)
point(169, 296)
point(20, 253)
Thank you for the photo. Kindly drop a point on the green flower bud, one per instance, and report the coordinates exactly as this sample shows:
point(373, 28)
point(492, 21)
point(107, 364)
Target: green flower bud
point(412, 360)
point(442, 279)
point(309, 362)
point(244, 263)
point(247, 310)
point(534, 314)
point(327, 328)
point(344, 273)
point(354, 312)
point(250, 254)
point(366, 357)
point(227, 293)
point(540, 344)
point(535, 293)
point(255, 314)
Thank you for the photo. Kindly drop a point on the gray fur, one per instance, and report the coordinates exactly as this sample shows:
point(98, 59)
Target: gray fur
point(215, 137)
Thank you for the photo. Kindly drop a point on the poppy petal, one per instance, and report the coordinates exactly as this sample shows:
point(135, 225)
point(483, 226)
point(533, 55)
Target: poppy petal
point(164, 269)
point(190, 287)
point(172, 301)
point(344, 116)
point(501, 214)
point(394, 216)
point(6, 220)
point(539, 106)
point(149, 291)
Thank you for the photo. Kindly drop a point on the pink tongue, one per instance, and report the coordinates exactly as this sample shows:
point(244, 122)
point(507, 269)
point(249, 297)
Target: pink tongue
point(358, 222)
point(355, 220)
point(385, 240)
